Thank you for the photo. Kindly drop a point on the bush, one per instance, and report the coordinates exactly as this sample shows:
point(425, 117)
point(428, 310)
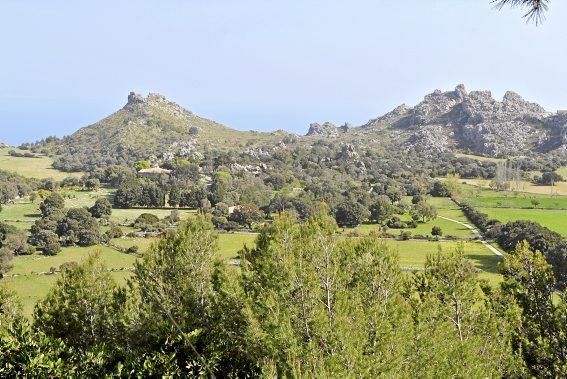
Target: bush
point(114, 232)
point(405, 235)
point(436, 231)
point(146, 219)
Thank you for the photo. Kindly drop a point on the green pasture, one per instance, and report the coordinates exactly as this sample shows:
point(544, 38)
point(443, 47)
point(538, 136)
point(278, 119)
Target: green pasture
point(21, 214)
point(486, 197)
point(39, 168)
point(560, 188)
point(229, 243)
point(30, 278)
point(521, 202)
point(413, 254)
point(553, 219)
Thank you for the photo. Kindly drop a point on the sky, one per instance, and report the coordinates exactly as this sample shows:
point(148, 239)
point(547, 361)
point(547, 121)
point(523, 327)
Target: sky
point(265, 64)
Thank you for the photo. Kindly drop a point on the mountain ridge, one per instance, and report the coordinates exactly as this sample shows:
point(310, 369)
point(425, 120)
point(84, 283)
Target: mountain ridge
point(153, 127)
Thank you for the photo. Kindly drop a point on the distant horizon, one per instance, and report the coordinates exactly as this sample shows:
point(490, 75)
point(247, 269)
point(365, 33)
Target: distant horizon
point(254, 65)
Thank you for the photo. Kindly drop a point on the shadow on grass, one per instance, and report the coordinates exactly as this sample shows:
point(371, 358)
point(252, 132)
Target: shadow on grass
point(33, 215)
point(486, 263)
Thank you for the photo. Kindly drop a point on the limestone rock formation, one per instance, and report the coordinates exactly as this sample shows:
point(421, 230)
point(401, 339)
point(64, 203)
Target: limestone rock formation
point(327, 129)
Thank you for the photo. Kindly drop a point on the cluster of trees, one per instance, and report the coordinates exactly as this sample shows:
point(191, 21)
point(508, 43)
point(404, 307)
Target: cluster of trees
point(13, 185)
point(551, 244)
point(305, 302)
point(74, 226)
point(548, 178)
point(139, 193)
point(12, 242)
point(191, 197)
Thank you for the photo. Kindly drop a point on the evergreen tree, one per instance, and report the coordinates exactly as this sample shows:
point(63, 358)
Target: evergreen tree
point(541, 338)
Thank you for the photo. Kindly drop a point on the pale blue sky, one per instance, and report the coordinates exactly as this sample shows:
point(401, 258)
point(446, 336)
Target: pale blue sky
point(268, 64)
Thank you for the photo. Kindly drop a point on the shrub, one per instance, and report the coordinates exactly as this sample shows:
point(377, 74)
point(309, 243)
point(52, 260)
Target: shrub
point(114, 232)
point(405, 235)
point(146, 219)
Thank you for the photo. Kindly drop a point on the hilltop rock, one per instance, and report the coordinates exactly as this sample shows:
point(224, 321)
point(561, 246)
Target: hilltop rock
point(327, 129)
point(474, 121)
point(155, 103)
point(498, 128)
point(434, 109)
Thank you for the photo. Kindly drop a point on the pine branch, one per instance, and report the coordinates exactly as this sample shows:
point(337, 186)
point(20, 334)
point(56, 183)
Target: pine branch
point(535, 8)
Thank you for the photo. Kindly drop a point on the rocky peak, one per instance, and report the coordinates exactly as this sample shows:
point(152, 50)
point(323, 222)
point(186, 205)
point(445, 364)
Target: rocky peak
point(460, 91)
point(137, 102)
point(480, 107)
point(435, 107)
point(135, 99)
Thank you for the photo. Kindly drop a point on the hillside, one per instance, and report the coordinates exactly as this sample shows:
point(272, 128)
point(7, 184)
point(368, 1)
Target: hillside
point(147, 127)
point(462, 122)
point(453, 122)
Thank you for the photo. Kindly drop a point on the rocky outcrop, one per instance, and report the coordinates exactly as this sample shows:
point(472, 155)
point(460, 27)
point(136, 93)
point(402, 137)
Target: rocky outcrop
point(430, 139)
point(499, 128)
point(557, 128)
point(154, 103)
point(327, 129)
point(475, 122)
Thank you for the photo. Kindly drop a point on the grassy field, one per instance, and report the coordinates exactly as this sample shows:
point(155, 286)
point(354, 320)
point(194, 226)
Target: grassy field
point(39, 168)
point(30, 278)
point(414, 253)
point(229, 243)
point(445, 207)
point(553, 219)
point(510, 206)
point(23, 213)
point(495, 199)
point(559, 188)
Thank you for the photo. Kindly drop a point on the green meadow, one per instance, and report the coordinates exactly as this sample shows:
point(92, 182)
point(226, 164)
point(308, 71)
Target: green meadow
point(505, 206)
point(39, 167)
point(555, 220)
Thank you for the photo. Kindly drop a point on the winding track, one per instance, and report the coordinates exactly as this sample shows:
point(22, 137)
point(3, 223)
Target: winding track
point(477, 234)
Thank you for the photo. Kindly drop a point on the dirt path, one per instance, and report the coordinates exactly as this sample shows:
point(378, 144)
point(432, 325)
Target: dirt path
point(477, 234)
